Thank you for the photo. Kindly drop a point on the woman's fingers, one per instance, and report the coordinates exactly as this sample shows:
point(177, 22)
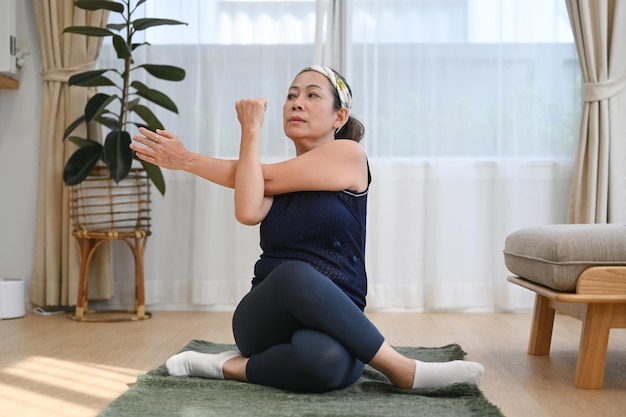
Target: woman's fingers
point(161, 148)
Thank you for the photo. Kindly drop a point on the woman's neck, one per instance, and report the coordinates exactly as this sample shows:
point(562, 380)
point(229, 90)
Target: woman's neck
point(305, 145)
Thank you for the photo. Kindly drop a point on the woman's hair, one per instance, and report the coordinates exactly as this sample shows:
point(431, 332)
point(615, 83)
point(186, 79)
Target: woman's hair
point(353, 129)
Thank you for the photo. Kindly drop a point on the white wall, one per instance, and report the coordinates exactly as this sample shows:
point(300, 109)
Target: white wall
point(20, 114)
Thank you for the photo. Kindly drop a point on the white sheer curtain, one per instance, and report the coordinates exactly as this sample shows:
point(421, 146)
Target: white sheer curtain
point(471, 109)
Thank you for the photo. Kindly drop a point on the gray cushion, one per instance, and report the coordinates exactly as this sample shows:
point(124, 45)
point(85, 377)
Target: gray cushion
point(555, 255)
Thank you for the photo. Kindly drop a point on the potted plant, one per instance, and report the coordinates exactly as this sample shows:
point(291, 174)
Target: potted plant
point(118, 111)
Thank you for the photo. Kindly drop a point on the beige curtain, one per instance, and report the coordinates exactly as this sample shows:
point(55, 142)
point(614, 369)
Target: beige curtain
point(598, 193)
point(56, 266)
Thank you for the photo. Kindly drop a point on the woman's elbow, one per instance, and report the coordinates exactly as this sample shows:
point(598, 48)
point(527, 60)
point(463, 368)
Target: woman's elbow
point(247, 217)
point(252, 214)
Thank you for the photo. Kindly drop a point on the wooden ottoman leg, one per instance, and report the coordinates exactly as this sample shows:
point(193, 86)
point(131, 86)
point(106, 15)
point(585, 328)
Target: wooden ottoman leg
point(594, 341)
point(541, 330)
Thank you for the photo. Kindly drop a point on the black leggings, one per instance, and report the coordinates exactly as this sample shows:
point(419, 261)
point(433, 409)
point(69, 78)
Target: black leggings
point(302, 333)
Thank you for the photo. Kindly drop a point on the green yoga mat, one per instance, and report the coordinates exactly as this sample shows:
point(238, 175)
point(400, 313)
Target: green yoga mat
point(157, 394)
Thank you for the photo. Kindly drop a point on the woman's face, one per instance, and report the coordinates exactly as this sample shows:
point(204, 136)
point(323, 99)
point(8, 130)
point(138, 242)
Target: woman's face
point(309, 111)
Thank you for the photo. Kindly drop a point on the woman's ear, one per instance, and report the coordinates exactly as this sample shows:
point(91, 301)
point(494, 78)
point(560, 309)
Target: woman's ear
point(341, 118)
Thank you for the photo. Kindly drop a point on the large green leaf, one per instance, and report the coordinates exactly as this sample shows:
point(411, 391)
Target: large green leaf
point(145, 23)
point(116, 26)
point(86, 77)
point(164, 72)
point(155, 174)
point(80, 164)
point(97, 105)
point(121, 47)
point(99, 5)
point(88, 31)
point(154, 96)
point(111, 122)
point(117, 154)
point(82, 142)
point(73, 126)
point(137, 45)
point(99, 81)
point(146, 114)
point(132, 103)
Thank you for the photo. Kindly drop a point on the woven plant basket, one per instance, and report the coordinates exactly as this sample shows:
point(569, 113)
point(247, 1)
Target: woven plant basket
point(99, 205)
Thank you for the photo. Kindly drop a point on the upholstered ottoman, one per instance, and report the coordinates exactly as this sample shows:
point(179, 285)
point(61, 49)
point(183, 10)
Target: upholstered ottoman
point(578, 270)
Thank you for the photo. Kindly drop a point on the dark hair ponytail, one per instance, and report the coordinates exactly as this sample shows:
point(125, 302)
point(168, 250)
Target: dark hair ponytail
point(353, 130)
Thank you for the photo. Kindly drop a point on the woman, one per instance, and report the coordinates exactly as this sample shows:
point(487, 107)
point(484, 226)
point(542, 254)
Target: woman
point(302, 326)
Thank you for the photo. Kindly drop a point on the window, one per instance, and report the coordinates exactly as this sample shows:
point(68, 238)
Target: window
point(457, 78)
point(445, 78)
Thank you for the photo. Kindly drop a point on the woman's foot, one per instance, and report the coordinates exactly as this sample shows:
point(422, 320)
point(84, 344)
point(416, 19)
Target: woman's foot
point(205, 365)
point(438, 374)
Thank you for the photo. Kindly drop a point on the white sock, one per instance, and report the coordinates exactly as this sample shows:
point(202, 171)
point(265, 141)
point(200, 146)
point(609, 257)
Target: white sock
point(205, 365)
point(439, 374)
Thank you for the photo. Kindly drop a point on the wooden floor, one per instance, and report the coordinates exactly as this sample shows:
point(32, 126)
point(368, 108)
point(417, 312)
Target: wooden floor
point(52, 366)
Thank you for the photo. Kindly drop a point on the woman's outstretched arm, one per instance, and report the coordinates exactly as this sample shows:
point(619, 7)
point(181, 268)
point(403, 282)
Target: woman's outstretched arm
point(169, 152)
point(334, 166)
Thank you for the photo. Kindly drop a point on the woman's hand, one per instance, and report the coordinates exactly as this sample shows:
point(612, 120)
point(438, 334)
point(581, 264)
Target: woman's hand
point(161, 148)
point(251, 113)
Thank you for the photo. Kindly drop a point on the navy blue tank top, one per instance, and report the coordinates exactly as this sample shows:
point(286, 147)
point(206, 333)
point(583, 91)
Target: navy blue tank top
point(324, 229)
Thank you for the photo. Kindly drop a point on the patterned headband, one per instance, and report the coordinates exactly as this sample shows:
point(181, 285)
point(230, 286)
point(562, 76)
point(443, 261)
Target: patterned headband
point(339, 85)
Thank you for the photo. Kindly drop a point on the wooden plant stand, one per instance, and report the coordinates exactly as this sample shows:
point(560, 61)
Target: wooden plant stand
point(102, 211)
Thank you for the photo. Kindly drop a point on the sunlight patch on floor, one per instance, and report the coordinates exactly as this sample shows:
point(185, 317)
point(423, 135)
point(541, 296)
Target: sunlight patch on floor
point(88, 387)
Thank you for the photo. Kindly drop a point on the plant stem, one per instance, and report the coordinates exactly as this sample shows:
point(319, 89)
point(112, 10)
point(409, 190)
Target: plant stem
point(126, 74)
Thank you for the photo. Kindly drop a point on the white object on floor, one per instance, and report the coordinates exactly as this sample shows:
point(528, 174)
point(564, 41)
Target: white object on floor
point(12, 299)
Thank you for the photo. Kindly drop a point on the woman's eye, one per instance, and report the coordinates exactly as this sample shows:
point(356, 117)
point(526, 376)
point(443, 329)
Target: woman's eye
point(313, 95)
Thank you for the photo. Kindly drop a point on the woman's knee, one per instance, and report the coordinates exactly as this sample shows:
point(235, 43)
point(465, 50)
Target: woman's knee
point(326, 364)
point(332, 372)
